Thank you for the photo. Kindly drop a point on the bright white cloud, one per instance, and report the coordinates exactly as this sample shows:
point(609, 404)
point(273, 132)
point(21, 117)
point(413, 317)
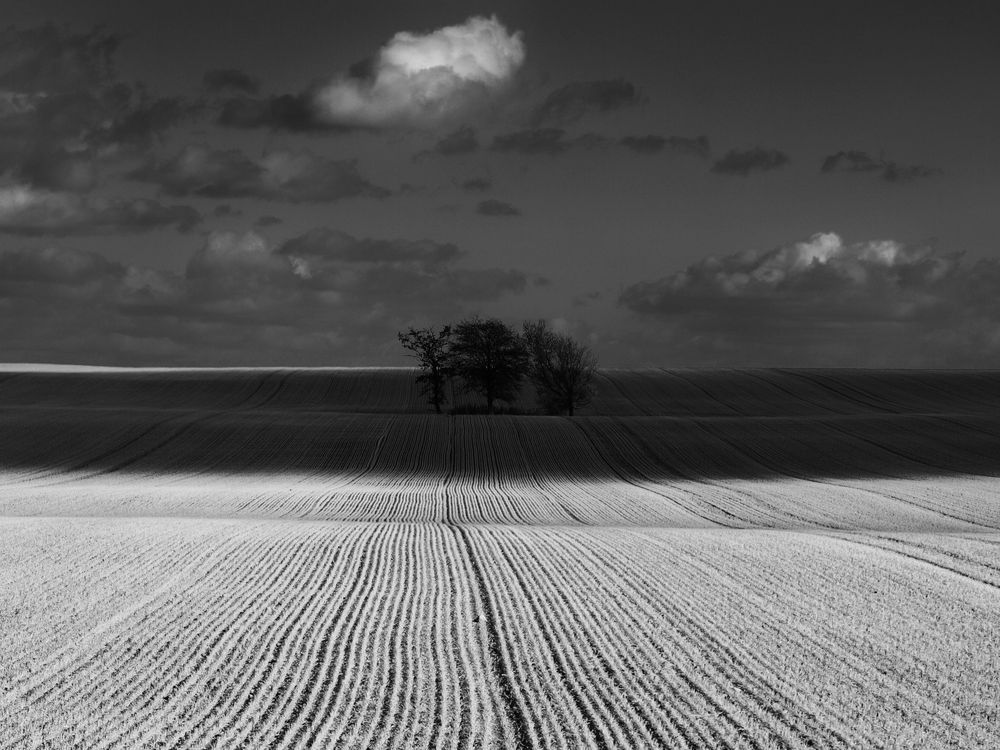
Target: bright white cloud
point(421, 79)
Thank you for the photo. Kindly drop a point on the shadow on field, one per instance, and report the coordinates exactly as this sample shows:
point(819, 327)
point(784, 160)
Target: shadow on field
point(725, 424)
point(508, 449)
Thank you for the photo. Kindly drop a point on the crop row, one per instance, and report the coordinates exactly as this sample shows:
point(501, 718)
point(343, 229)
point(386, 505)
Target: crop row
point(281, 634)
point(896, 472)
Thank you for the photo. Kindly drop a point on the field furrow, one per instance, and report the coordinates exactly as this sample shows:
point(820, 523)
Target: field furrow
point(310, 558)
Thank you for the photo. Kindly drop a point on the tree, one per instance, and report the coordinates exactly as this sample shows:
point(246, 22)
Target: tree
point(432, 350)
point(490, 358)
point(561, 369)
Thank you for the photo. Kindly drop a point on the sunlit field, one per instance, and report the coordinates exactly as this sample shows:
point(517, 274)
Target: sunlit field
point(310, 558)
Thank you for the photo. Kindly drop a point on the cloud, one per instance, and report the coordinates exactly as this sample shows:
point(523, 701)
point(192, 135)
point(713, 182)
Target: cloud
point(571, 102)
point(850, 161)
point(63, 113)
point(296, 176)
point(582, 300)
point(228, 255)
point(323, 297)
point(742, 163)
point(423, 79)
point(293, 112)
point(654, 144)
point(52, 60)
point(547, 141)
point(457, 143)
point(826, 302)
point(138, 118)
point(494, 207)
point(333, 245)
point(225, 210)
point(529, 142)
point(268, 220)
point(230, 79)
point(27, 211)
point(476, 185)
point(59, 169)
point(899, 173)
point(60, 266)
point(889, 171)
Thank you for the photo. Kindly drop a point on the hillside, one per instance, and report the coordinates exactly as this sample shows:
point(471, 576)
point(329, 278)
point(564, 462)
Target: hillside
point(664, 448)
point(310, 558)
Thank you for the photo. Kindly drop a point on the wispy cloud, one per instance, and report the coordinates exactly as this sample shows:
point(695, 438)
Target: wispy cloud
point(744, 163)
point(230, 80)
point(27, 211)
point(854, 161)
point(573, 101)
point(546, 141)
point(295, 176)
point(493, 207)
point(654, 144)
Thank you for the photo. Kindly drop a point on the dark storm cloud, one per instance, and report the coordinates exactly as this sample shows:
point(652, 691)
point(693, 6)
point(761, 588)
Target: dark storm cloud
point(899, 173)
point(850, 161)
point(327, 245)
point(230, 80)
point(476, 185)
point(27, 211)
point(294, 176)
point(571, 102)
point(224, 210)
point(267, 220)
point(742, 163)
point(60, 84)
point(63, 113)
point(654, 144)
point(822, 301)
point(494, 207)
point(889, 171)
point(138, 118)
point(55, 61)
point(546, 141)
point(529, 142)
point(59, 169)
point(323, 297)
point(582, 300)
point(291, 112)
point(457, 143)
point(58, 266)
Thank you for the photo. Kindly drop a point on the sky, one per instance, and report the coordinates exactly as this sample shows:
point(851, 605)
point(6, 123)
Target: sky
point(712, 184)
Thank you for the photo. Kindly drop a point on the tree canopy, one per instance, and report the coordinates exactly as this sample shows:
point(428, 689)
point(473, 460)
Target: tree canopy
point(432, 350)
point(492, 359)
point(561, 369)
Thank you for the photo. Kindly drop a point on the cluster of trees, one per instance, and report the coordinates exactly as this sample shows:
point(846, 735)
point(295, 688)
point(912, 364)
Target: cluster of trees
point(492, 359)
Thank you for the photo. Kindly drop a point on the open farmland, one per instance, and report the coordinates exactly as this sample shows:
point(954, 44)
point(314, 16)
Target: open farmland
point(307, 558)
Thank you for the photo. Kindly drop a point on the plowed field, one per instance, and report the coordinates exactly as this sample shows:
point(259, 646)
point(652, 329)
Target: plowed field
point(308, 558)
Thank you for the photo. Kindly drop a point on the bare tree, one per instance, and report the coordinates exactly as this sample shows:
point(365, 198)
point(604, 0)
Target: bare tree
point(490, 358)
point(432, 350)
point(561, 369)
